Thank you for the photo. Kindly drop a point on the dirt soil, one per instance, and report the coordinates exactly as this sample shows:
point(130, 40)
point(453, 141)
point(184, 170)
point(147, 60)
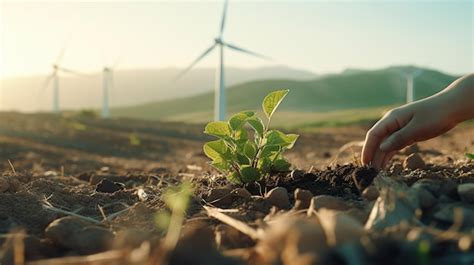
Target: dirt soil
point(74, 186)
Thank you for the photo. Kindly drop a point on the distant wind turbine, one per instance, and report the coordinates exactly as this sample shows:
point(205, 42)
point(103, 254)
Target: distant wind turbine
point(54, 77)
point(107, 86)
point(219, 94)
point(410, 76)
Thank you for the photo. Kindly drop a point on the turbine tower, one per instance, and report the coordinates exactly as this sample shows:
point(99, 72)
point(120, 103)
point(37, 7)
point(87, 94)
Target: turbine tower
point(219, 93)
point(410, 84)
point(107, 87)
point(54, 77)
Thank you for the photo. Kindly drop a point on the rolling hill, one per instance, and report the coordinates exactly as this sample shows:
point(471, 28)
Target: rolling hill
point(132, 87)
point(348, 91)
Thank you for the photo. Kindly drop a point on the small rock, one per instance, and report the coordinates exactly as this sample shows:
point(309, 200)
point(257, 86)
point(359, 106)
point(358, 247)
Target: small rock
point(328, 202)
point(340, 227)
point(427, 199)
point(50, 173)
point(430, 185)
point(220, 197)
point(412, 149)
point(4, 184)
point(466, 192)
point(104, 169)
point(370, 193)
point(94, 239)
point(396, 169)
point(414, 161)
point(242, 193)
point(14, 184)
point(450, 212)
point(278, 197)
point(304, 197)
point(75, 234)
point(449, 188)
point(108, 186)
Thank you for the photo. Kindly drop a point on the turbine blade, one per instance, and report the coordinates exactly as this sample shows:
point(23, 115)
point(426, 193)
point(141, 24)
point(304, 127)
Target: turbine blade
point(69, 71)
point(224, 14)
point(46, 83)
point(206, 52)
point(246, 51)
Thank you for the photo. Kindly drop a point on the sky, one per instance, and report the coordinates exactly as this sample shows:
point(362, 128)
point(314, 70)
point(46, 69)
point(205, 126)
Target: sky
point(319, 36)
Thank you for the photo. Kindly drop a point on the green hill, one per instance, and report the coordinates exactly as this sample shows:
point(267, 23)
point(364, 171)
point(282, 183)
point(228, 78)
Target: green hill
point(350, 90)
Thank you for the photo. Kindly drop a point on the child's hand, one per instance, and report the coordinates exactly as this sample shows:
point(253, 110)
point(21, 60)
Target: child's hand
point(418, 121)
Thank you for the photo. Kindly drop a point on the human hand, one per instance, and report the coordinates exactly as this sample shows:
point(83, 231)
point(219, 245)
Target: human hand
point(403, 126)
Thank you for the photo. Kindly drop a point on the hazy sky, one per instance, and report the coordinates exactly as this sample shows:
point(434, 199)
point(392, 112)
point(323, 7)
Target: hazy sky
point(321, 36)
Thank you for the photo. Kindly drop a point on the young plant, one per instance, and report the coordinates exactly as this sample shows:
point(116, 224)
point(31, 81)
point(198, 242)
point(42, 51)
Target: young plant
point(245, 157)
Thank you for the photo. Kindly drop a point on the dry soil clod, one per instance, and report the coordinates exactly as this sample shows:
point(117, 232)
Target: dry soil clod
point(414, 161)
point(278, 197)
point(466, 192)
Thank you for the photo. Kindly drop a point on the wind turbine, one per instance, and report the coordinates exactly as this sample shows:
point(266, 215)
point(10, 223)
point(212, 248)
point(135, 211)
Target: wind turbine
point(219, 94)
point(107, 86)
point(54, 77)
point(410, 78)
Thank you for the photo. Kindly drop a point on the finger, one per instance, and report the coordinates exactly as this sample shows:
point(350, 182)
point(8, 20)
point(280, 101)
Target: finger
point(384, 127)
point(401, 138)
point(378, 159)
point(387, 158)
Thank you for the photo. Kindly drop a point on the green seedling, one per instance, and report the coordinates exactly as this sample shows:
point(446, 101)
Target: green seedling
point(469, 155)
point(177, 200)
point(248, 157)
point(134, 139)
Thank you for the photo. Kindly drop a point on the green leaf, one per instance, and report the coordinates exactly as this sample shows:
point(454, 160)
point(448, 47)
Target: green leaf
point(272, 100)
point(242, 160)
point(217, 128)
point(269, 150)
point(215, 150)
point(238, 120)
point(220, 165)
point(264, 165)
point(249, 174)
point(275, 137)
point(234, 178)
point(281, 165)
point(257, 124)
point(469, 155)
point(241, 134)
point(177, 198)
point(250, 150)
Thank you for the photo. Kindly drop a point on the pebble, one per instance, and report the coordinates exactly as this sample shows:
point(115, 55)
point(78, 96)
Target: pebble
point(220, 197)
point(50, 173)
point(108, 186)
point(328, 202)
point(466, 192)
point(370, 193)
point(242, 193)
point(278, 197)
point(304, 197)
point(396, 169)
point(414, 161)
point(427, 199)
point(447, 214)
point(4, 184)
point(412, 149)
point(76, 234)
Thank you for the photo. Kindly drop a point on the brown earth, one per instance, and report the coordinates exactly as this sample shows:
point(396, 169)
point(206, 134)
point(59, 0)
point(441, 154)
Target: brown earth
point(58, 166)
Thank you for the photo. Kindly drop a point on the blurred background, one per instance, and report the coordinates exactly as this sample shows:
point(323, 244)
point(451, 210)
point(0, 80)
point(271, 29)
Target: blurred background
point(125, 58)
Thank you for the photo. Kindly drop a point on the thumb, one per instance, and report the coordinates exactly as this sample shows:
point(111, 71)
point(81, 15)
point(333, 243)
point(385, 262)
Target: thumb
point(400, 139)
